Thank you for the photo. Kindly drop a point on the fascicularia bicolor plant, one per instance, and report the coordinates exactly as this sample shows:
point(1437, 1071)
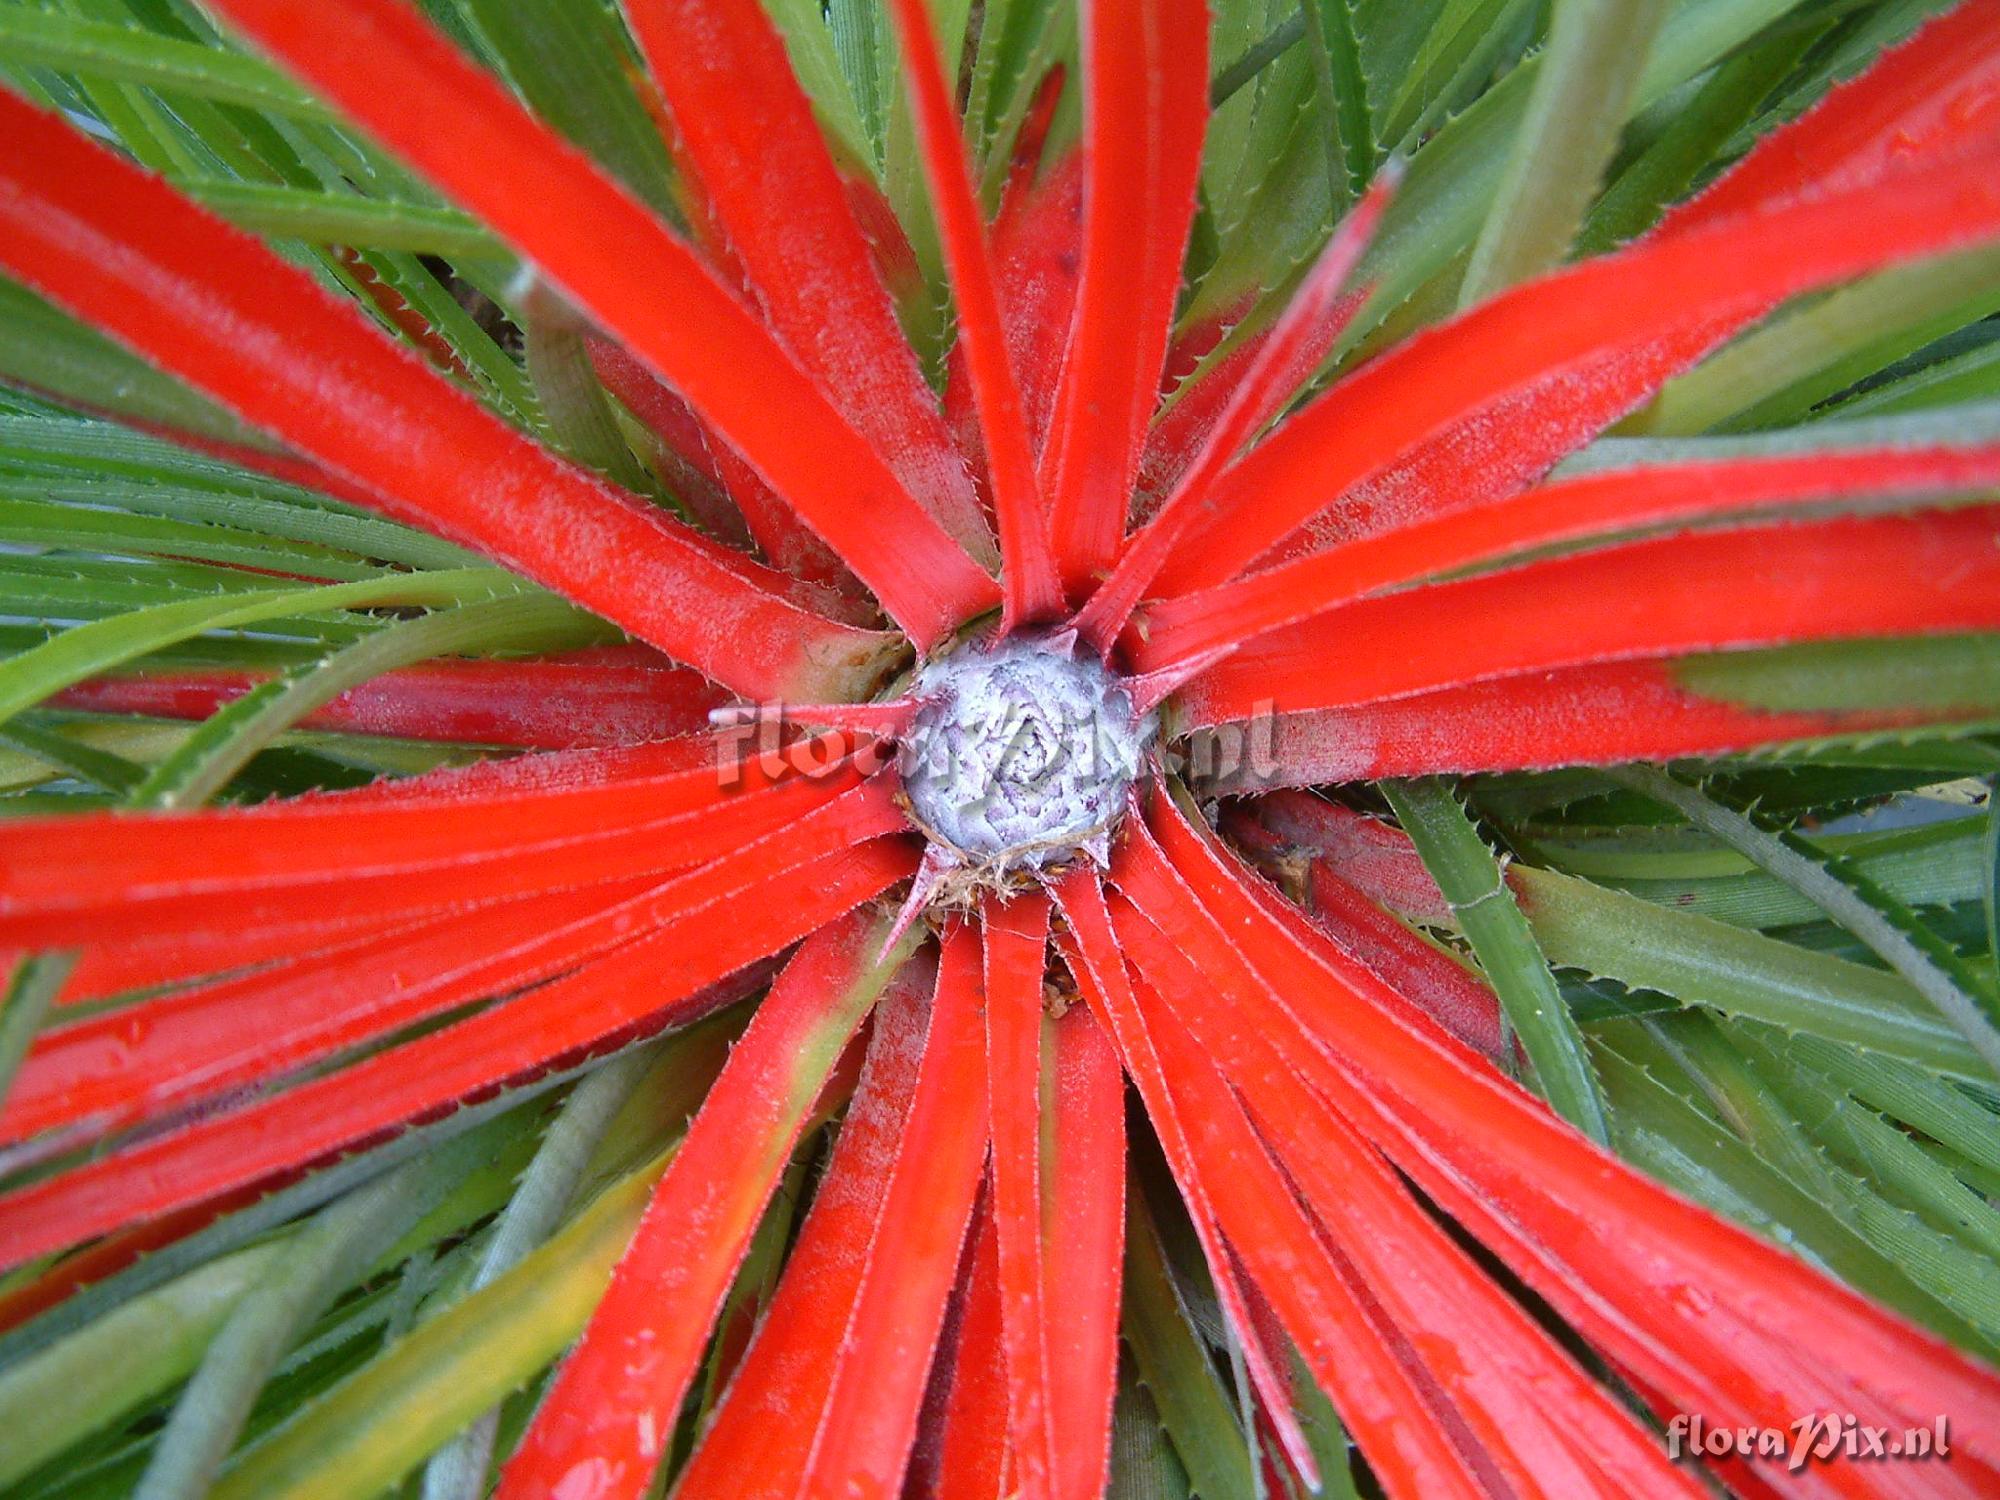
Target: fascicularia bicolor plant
point(831, 634)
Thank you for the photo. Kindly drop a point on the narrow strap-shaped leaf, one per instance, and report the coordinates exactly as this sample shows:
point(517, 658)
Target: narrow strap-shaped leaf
point(1583, 92)
point(741, 123)
point(606, 697)
point(1923, 574)
point(209, 759)
point(115, 1363)
point(1016, 953)
point(109, 1070)
point(1377, 1385)
point(1925, 95)
point(760, 1436)
point(228, 316)
point(626, 1378)
point(1679, 294)
point(72, 43)
point(1527, 1186)
point(1473, 881)
point(459, 1470)
point(382, 1419)
point(146, 1058)
point(870, 1419)
point(1603, 715)
point(1429, 1291)
point(654, 979)
point(1029, 587)
point(1198, 1414)
point(332, 1251)
point(1098, 967)
point(1312, 318)
point(627, 270)
point(1085, 1254)
point(91, 1282)
point(972, 1445)
point(1932, 969)
point(1566, 510)
point(139, 876)
point(1145, 66)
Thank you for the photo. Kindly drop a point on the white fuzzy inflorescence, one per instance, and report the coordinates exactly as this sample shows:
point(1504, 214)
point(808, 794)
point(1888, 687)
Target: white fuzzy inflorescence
point(1022, 755)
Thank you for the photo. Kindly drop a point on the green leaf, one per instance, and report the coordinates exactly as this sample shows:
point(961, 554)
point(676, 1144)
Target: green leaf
point(577, 415)
point(1935, 865)
point(532, 1215)
point(1698, 961)
point(319, 1260)
point(346, 219)
point(1583, 94)
point(1144, 1465)
point(1348, 128)
point(102, 645)
point(1779, 371)
point(102, 465)
point(1697, 134)
point(373, 1427)
point(1471, 878)
point(71, 527)
point(1888, 929)
point(130, 54)
point(817, 65)
point(64, 1393)
point(1941, 674)
point(575, 67)
point(49, 351)
point(209, 758)
point(1660, 1130)
point(1198, 1415)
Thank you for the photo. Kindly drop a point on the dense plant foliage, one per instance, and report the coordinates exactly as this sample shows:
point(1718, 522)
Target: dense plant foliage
point(499, 497)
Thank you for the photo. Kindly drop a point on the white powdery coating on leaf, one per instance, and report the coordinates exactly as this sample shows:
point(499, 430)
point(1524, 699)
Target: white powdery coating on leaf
point(1022, 754)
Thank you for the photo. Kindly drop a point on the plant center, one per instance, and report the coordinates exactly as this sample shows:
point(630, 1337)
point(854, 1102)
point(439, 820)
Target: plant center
point(1022, 754)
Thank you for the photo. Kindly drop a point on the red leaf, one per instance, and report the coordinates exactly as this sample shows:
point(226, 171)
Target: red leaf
point(1091, 949)
point(610, 696)
point(1085, 1253)
point(1919, 100)
point(379, 61)
point(1755, 586)
point(870, 1418)
point(109, 876)
point(760, 1436)
point(1532, 1414)
point(125, 253)
point(1016, 948)
point(745, 129)
point(1652, 308)
point(1145, 104)
point(972, 1446)
point(1311, 320)
point(1028, 583)
point(1571, 716)
point(1699, 1310)
point(1571, 510)
point(640, 983)
point(605, 1422)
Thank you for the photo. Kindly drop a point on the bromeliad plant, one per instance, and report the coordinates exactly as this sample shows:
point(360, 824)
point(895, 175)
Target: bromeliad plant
point(1182, 435)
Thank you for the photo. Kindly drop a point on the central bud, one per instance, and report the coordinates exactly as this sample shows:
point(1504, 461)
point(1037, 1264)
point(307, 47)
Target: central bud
point(1021, 755)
